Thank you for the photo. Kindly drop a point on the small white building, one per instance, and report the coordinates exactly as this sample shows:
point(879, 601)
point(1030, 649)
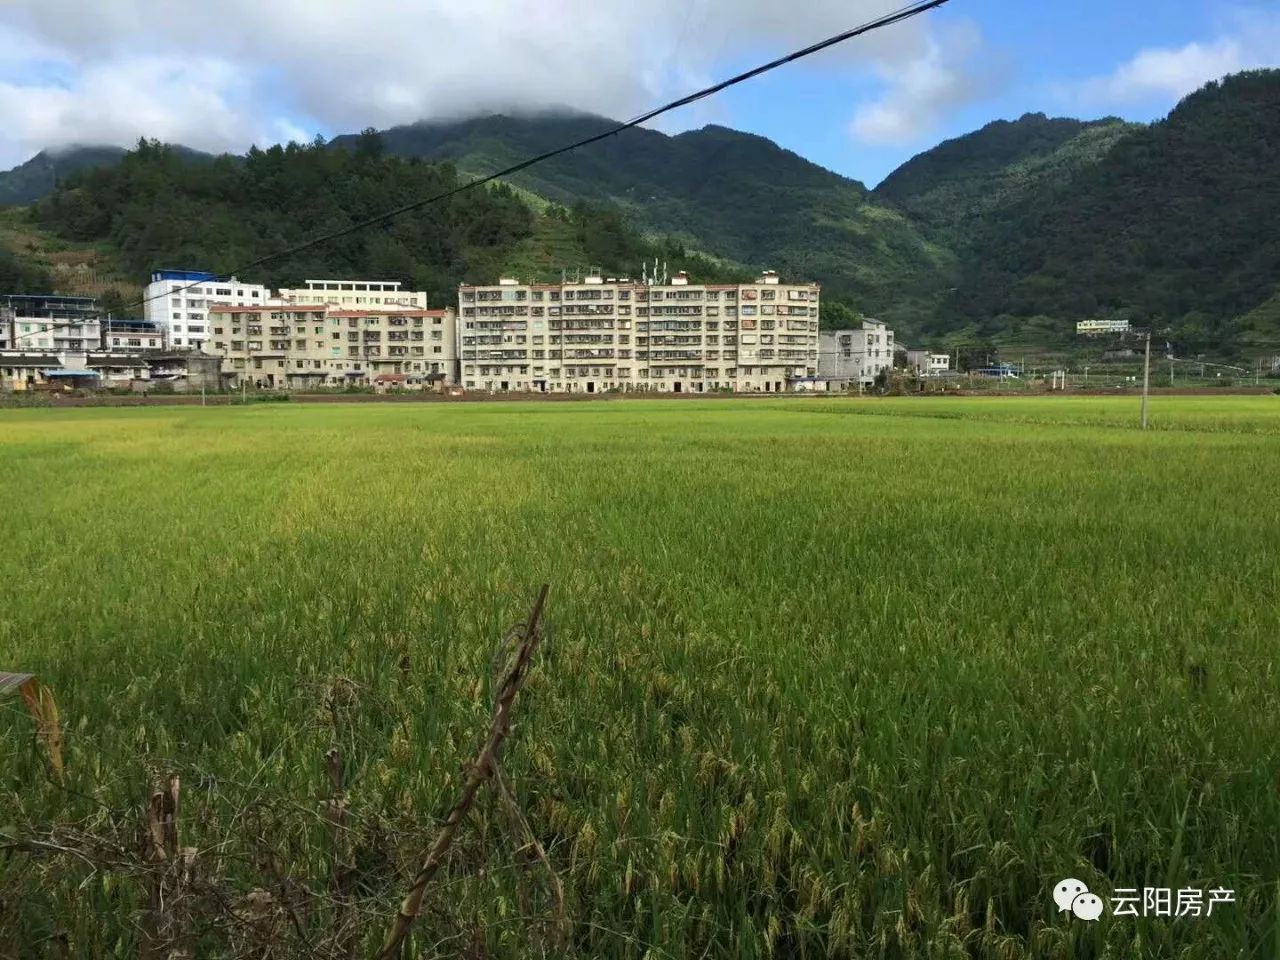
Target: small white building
point(178, 300)
point(855, 356)
point(928, 364)
point(1094, 328)
point(131, 336)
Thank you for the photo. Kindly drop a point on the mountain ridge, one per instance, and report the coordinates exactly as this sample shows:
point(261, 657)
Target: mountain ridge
point(1015, 230)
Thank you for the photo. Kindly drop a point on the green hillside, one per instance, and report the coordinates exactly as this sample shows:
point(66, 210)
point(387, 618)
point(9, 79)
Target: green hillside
point(158, 207)
point(1173, 227)
point(963, 182)
point(1009, 234)
point(40, 175)
point(739, 195)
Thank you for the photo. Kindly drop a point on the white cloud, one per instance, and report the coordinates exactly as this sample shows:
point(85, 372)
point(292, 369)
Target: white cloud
point(245, 71)
point(1166, 74)
point(193, 101)
point(920, 89)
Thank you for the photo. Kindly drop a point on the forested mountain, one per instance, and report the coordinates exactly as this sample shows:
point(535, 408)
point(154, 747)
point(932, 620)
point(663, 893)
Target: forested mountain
point(157, 207)
point(735, 194)
point(41, 174)
point(1174, 227)
point(1013, 232)
point(964, 182)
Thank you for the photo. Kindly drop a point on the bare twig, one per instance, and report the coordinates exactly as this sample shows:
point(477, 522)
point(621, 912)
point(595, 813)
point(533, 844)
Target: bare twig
point(481, 770)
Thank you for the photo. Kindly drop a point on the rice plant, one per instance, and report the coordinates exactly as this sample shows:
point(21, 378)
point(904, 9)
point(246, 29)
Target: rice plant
point(821, 678)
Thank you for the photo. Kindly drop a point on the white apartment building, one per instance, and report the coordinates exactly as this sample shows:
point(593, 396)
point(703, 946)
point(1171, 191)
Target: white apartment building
point(179, 301)
point(928, 364)
point(855, 356)
point(615, 334)
point(356, 295)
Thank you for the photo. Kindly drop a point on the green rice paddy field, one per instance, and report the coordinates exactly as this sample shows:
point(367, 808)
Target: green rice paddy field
point(822, 678)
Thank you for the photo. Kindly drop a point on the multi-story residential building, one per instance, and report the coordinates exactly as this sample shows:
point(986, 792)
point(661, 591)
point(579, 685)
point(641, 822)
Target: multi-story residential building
point(179, 301)
point(928, 364)
point(855, 356)
point(131, 336)
point(291, 346)
point(1093, 328)
point(49, 322)
point(357, 295)
point(606, 334)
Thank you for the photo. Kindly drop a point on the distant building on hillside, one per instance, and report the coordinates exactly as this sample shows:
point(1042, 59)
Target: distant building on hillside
point(604, 333)
point(848, 357)
point(928, 364)
point(357, 295)
point(50, 322)
point(178, 301)
point(1094, 328)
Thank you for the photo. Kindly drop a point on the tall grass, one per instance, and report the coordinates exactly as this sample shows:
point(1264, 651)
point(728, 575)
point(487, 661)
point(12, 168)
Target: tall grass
point(814, 685)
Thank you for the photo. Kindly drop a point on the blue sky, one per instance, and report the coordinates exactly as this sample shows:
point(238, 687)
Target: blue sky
point(1050, 64)
point(72, 72)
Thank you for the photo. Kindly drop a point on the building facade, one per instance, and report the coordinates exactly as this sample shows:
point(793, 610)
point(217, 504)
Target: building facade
point(297, 346)
point(50, 323)
point(356, 295)
point(603, 334)
point(928, 364)
point(179, 301)
point(131, 336)
point(1093, 328)
point(855, 356)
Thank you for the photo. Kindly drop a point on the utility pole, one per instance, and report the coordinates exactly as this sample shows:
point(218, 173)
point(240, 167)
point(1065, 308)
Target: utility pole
point(1146, 381)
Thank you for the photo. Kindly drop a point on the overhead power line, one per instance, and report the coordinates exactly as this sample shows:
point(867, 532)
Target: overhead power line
point(889, 19)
